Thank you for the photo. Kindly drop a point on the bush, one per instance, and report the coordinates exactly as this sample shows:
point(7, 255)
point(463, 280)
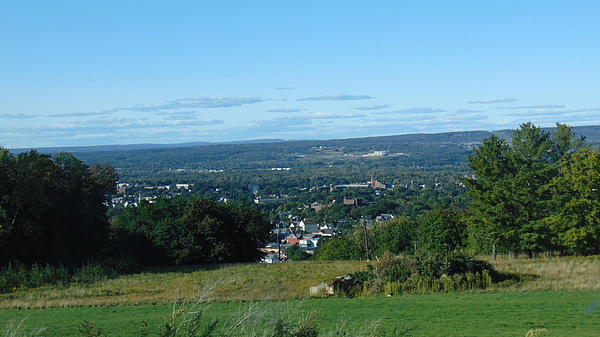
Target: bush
point(16, 275)
point(89, 273)
point(426, 272)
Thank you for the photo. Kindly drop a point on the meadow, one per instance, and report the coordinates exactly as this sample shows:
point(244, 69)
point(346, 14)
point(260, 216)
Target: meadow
point(558, 294)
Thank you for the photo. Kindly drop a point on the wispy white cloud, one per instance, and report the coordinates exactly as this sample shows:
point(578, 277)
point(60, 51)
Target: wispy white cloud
point(540, 106)
point(284, 110)
point(175, 113)
point(181, 118)
point(295, 125)
point(403, 119)
point(551, 112)
point(16, 116)
point(279, 123)
point(178, 115)
point(321, 115)
point(409, 111)
point(194, 122)
point(303, 119)
point(115, 124)
point(373, 107)
point(464, 111)
point(493, 100)
point(338, 97)
point(80, 114)
point(422, 123)
point(197, 103)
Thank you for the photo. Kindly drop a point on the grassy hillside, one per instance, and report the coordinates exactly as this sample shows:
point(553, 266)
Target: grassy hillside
point(290, 280)
point(227, 283)
point(559, 294)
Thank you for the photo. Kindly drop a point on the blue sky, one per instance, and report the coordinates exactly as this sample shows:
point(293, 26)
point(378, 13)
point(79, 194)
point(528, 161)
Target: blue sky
point(76, 73)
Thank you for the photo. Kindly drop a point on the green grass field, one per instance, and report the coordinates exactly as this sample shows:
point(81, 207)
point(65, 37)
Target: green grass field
point(465, 314)
point(560, 296)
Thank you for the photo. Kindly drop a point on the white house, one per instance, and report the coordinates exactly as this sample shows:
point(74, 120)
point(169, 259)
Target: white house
point(308, 226)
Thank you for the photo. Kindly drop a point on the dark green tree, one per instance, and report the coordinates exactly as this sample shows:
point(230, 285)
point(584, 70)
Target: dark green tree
point(294, 253)
point(577, 222)
point(398, 235)
point(511, 192)
point(53, 210)
point(144, 232)
point(196, 230)
point(443, 230)
point(337, 249)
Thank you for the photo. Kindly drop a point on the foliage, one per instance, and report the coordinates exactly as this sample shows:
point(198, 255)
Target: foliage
point(17, 276)
point(577, 190)
point(186, 323)
point(512, 195)
point(396, 236)
point(53, 209)
point(195, 230)
point(443, 230)
point(294, 253)
point(89, 329)
point(426, 272)
point(308, 326)
point(337, 249)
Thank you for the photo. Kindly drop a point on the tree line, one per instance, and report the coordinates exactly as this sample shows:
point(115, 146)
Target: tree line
point(53, 211)
point(442, 231)
point(191, 231)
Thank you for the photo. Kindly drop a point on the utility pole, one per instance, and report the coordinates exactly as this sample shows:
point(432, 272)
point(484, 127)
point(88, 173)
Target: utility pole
point(366, 238)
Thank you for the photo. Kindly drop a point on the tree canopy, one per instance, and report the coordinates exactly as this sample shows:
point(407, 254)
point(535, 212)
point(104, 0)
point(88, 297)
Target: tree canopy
point(53, 209)
point(513, 191)
point(194, 230)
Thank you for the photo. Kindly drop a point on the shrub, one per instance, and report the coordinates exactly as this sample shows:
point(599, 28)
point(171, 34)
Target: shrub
point(17, 275)
point(89, 273)
point(426, 272)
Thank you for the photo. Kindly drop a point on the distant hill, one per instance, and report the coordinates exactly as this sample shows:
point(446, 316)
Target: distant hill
point(439, 151)
point(592, 133)
point(117, 147)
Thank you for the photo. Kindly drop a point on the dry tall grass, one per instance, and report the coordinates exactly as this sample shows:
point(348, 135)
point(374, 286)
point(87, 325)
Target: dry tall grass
point(553, 273)
point(277, 282)
point(227, 283)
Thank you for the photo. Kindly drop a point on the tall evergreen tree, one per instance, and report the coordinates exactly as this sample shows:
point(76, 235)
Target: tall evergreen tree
point(493, 208)
point(577, 222)
point(512, 193)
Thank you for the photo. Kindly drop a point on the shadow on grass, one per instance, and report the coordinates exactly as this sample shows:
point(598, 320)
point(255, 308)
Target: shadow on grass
point(505, 280)
point(191, 268)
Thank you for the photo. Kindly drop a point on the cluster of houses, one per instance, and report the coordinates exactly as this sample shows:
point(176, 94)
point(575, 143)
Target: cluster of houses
point(304, 233)
point(131, 194)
